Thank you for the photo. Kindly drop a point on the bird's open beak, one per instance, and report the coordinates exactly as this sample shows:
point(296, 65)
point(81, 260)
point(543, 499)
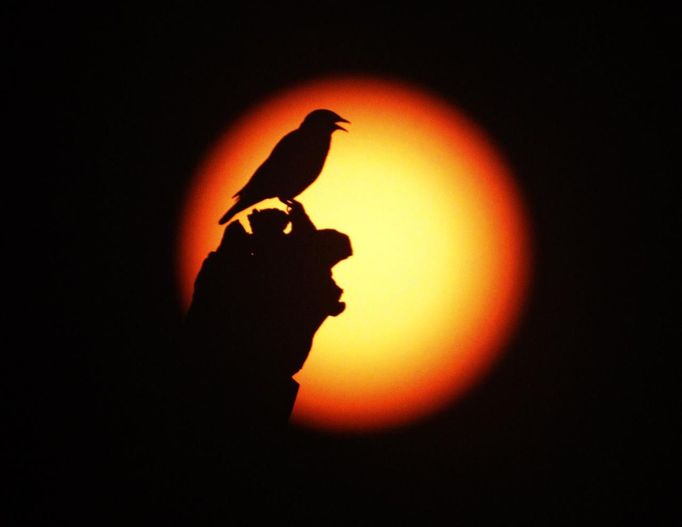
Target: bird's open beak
point(337, 127)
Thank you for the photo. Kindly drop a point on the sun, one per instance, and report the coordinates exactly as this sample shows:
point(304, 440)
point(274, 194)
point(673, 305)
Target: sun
point(440, 237)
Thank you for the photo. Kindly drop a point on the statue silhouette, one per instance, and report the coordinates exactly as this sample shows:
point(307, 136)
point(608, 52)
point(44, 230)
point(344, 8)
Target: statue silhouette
point(258, 300)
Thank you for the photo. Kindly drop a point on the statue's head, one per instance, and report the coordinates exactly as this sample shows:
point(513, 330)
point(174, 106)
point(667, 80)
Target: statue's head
point(268, 222)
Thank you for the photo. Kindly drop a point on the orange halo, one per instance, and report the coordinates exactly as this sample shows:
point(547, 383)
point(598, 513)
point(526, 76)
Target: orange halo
point(440, 239)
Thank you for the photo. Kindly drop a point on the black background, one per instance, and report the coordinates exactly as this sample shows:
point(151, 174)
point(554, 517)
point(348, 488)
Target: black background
point(111, 110)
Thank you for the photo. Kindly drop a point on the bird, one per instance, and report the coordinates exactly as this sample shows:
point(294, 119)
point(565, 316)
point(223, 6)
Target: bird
point(293, 165)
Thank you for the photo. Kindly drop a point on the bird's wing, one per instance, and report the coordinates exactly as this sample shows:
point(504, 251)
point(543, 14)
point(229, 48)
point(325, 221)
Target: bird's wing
point(282, 160)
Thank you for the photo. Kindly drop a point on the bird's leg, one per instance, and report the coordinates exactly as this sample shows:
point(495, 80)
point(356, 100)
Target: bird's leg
point(294, 207)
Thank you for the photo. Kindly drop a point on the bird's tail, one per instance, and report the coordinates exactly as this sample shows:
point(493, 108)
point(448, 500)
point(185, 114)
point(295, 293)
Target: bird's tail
point(234, 209)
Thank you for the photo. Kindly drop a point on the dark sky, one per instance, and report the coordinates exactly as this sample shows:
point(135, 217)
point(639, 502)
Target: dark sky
point(109, 113)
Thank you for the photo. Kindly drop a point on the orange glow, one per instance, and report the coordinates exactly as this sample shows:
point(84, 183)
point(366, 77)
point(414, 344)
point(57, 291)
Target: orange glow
point(440, 242)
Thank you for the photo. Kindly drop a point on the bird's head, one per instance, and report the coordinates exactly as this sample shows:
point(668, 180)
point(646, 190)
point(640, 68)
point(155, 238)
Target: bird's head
point(324, 120)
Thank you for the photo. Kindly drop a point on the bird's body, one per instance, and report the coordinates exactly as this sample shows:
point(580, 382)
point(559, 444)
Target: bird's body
point(293, 165)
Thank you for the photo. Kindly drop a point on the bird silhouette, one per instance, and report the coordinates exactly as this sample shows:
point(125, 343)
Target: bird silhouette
point(293, 165)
